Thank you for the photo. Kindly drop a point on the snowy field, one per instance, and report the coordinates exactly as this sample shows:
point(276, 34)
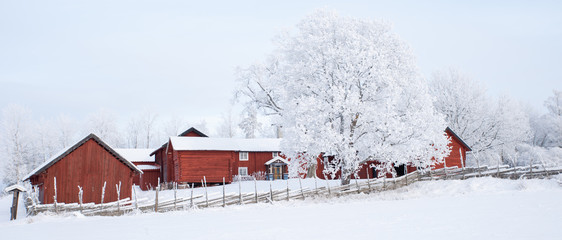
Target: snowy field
point(484, 208)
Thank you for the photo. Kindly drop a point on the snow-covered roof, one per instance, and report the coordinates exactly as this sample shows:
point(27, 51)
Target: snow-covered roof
point(136, 154)
point(148, 167)
point(226, 144)
point(14, 187)
point(277, 158)
point(55, 158)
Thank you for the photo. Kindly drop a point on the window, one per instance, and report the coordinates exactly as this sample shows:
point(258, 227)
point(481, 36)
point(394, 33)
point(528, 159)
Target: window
point(275, 154)
point(243, 171)
point(243, 156)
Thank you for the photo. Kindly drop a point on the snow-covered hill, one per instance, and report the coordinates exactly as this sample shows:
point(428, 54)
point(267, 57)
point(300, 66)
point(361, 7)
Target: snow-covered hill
point(482, 208)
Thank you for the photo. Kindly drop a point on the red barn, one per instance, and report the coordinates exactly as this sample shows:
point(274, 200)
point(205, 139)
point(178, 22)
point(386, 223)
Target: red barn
point(88, 164)
point(144, 161)
point(458, 147)
point(165, 160)
point(214, 158)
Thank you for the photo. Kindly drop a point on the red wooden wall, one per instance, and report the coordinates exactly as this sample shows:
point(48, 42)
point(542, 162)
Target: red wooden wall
point(87, 166)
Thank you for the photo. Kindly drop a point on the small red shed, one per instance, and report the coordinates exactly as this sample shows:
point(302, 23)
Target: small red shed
point(89, 164)
point(144, 161)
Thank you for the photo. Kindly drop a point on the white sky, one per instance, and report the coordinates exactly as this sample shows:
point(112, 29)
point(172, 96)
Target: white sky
point(179, 57)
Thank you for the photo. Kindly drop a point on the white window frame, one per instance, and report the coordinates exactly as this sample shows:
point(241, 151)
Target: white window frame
point(242, 168)
point(243, 153)
point(275, 154)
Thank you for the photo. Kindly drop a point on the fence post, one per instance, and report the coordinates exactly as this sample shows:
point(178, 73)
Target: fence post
point(103, 194)
point(223, 193)
point(205, 187)
point(239, 190)
point(462, 163)
point(255, 190)
point(368, 180)
point(327, 185)
point(406, 173)
point(315, 184)
point(80, 193)
point(287, 189)
point(300, 184)
point(270, 191)
point(175, 186)
point(156, 197)
point(357, 184)
point(55, 196)
point(118, 188)
point(445, 168)
point(136, 201)
point(191, 202)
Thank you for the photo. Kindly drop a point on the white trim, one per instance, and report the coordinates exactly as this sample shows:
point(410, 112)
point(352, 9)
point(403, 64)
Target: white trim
point(243, 159)
point(240, 168)
point(275, 154)
point(277, 159)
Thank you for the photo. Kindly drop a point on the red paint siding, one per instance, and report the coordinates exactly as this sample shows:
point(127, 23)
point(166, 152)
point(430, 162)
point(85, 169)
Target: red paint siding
point(213, 165)
point(87, 166)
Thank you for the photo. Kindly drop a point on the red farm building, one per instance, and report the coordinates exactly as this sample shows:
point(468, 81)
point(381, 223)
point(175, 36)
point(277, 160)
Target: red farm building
point(165, 160)
point(89, 164)
point(194, 158)
point(144, 161)
point(458, 147)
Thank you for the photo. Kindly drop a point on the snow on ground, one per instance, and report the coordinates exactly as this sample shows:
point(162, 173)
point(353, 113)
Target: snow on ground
point(486, 208)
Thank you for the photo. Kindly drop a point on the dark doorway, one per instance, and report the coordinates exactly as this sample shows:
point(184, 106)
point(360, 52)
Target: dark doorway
point(400, 170)
point(374, 172)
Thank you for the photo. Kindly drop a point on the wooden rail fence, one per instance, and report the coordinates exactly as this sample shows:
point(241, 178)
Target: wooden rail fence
point(223, 199)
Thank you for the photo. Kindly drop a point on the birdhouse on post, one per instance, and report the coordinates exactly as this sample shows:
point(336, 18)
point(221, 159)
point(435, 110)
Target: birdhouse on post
point(16, 189)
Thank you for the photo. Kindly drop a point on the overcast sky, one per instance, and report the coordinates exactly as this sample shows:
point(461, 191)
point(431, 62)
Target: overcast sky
point(179, 57)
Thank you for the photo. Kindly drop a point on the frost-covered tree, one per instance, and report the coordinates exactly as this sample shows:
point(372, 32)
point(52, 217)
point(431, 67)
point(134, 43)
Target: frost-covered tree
point(348, 88)
point(67, 129)
point(227, 127)
point(250, 124)
point(20, 154)
point(552, 121)
point(491, 127)
point(103, 124)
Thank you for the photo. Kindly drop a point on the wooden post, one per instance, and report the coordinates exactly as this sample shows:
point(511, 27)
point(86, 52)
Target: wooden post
point(223, 193)
point(204, 183)
point(135, 193)
point(103, 194)
point(270, 191)
point(384, 182)
point(255, 190)
point(80, 193)
point(239, 190)
point(175, 186)
point(156, 197)
point(462, 163)
point(55, 196)
point(406, 173)
point(287, 189)
point(445, 168)
point(191, 202)
point(300, 184)
point(357, 184)
point(15, 189)
point(368, 180)
point(327, 185)
point(15, 201)
point(315, 185)
point(118, 188)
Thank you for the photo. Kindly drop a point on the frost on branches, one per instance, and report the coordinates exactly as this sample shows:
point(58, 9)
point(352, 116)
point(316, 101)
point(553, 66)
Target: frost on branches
point(348, 88)
point(492, 128)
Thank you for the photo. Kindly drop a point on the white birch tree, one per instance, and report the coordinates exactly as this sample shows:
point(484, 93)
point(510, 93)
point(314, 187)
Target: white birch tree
point(349, 88)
